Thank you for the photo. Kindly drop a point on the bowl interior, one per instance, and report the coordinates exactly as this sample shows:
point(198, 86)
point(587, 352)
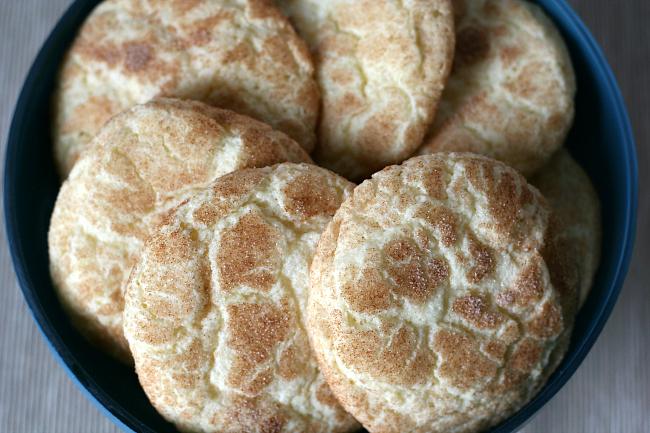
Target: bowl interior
point(600, 140)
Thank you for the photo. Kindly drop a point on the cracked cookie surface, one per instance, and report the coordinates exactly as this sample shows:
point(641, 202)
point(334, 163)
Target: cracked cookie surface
point(442, 295)
point(242, 55)
point(381, 66)
point(510, 94)
point(215, 306)
point(140, 165)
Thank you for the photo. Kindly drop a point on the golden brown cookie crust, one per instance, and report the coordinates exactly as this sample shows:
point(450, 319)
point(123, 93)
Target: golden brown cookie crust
point(510, 93)
point(241, 55)
point(142, 163)
point(442, 295)
point(567, 186)
point(381, 66)
point(215, 307)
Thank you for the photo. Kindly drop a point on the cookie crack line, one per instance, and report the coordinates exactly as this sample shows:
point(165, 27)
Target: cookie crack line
point(365, 82)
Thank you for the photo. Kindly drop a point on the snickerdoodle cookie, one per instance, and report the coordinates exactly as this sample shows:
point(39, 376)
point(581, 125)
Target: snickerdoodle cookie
point(566, 185)
point(510, 93)
point(381, 66)
point(442, 295)
point(215, 307)
point(241, 55)
point(141, 164)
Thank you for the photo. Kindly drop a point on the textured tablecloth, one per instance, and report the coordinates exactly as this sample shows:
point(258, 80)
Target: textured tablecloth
point(609, 392)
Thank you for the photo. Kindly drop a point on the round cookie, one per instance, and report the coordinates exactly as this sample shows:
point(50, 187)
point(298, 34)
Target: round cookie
point(442, 295)
point(381, 66)
point(511, 89)
point(242, 55)
point(215, 307)
point(566, 185)
point(141, 164)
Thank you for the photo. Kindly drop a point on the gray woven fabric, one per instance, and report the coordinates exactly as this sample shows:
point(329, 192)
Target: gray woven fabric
point(608, 393)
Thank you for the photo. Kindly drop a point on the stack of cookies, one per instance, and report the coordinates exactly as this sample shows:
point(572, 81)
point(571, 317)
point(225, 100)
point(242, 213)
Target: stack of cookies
point(210, 230)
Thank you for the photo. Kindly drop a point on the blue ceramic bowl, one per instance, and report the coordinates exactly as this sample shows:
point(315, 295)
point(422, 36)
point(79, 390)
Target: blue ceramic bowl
point(601, 140)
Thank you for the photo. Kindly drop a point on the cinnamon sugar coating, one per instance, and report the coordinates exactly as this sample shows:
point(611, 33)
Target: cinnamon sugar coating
point(510, 94)
point(442, 295)
point(381, 66)
point(141, 164)
point(241, 55)
point(215, 307)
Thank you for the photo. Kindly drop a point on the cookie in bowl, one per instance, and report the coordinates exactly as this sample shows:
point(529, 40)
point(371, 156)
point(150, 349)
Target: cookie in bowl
point(240, 55)
point(381, 66)
point(141, 164)
point(510, 94)
point(215, 306)
point(442, 295)
point(568, 187)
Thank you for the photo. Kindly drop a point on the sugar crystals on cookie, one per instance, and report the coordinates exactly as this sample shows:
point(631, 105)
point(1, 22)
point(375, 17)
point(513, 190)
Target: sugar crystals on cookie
point(215, 307)
point(442, 295)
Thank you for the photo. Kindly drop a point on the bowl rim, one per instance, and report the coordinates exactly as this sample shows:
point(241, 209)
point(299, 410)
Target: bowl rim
point(80, 377)
point(128, 423)
point(571, 363)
